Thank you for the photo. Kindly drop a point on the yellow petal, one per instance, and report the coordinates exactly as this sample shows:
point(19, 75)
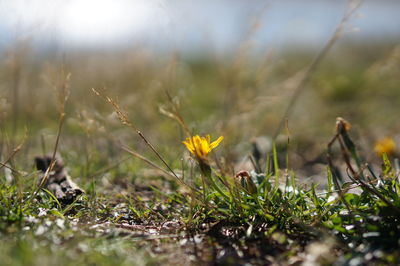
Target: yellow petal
point(187, 142)
point(386, 145)
point(216, 142)
point(204, 146)
point(189, 145)
point(196, 139)
point(198, 146)
point(201, 146)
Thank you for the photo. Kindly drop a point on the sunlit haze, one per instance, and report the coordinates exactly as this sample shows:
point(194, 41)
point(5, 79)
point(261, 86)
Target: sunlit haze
point(190, 25)
point(105, 20)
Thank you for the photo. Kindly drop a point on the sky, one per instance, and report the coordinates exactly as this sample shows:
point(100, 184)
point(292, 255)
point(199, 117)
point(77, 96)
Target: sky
point(190, 26)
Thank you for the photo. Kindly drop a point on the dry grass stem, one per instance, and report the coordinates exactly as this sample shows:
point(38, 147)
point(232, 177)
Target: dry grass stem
point(352, 7)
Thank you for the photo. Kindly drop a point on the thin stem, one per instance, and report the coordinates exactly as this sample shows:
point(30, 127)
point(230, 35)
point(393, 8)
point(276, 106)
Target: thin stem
point(313, 66)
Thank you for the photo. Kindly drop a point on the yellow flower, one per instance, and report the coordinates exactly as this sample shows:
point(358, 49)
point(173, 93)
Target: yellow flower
point(201, 146)
point(386, 145)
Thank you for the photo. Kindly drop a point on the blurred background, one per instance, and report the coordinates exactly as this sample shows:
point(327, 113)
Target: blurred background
point(230, 65)
point(190, 27)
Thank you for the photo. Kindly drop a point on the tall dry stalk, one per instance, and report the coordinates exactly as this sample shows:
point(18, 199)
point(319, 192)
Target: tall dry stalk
point(125, 121)
point(353, 5)
point(62, 93)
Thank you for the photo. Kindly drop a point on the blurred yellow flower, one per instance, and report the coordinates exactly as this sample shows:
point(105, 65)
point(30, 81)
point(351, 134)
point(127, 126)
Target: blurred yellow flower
point(386, 145)
point(201, 146)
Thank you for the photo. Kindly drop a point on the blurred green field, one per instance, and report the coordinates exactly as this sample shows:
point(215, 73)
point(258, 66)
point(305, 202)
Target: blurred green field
point(242, 97)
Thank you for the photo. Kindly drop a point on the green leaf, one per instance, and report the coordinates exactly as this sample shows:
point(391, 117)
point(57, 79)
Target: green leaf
point(52, 196)
point(57, 213)
point(387, 166)
point(347, 185)
point(337, 220)
point(352, 198)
